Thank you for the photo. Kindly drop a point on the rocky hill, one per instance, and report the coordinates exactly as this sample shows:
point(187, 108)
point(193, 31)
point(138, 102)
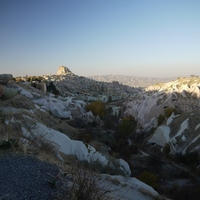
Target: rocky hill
point(147, 105)
point(138, 134)
point(37, 123)
point(181, 130)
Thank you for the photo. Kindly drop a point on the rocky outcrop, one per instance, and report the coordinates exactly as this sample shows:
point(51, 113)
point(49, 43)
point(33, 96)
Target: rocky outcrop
point(7, 93)
point(62, 70)
point(40, 86)
point(4, 78)
point(66, 84)
point(33, 115)
point(181, 132)
point(182, 94)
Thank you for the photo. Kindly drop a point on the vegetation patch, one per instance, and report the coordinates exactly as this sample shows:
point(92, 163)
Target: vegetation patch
point(149, 178)
point(97, 108)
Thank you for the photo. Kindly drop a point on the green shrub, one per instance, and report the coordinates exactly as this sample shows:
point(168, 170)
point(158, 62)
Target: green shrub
point(148, 178)
point(154, 161)
point(190, 158)
point(126, 126)
point(85, 185)
point(161, 119)
point(8, 144)
point(168, 111)
point(133, 149)
point(97, 108)
point(111, 122)
point(84, 136)
point(109, 99)
point(112, 167)
point(166, 149)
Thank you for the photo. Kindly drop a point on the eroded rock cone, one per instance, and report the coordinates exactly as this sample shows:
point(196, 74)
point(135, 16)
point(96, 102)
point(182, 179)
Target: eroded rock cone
point(62, 70)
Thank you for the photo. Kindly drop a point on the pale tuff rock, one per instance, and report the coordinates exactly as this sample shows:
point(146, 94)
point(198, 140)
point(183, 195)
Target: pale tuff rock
point(62, 70)
point(161, 136)
point(182, 94)
point(41, 86)
point(182, 137)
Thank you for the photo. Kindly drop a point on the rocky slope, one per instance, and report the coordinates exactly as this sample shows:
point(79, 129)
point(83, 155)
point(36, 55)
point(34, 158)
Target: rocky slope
point(181, 131)
point(36, 117)
point(145, 105)
point(33, 121)
point(88, 89)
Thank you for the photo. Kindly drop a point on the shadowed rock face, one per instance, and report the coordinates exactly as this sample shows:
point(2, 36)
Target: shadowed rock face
point(1, 90)
point(62, 70)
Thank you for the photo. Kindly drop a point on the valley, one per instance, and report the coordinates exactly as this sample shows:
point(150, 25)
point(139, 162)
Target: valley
point(145, 131)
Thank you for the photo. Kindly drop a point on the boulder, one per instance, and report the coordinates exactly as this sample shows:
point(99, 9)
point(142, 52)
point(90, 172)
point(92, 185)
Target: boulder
point(4, 78)
point(41, 86)
point(9, 93)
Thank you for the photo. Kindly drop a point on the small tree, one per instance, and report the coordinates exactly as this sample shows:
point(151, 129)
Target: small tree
point(161, 119)
point(166, 149)
point(169, 111)
point(85, 185)
point(126, 127)
point(148, 178)
point(97, 108)
point(109, 99)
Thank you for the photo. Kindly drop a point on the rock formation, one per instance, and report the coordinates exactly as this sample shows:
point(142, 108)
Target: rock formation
point(62, 70)
point(4, 78)
point(182, 94)
point(6, 92)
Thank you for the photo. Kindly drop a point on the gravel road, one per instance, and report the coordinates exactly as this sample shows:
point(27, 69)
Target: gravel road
point(26, 178)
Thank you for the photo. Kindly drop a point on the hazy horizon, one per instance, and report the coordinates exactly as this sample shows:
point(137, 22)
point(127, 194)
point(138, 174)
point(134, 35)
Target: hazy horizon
point(99, 37)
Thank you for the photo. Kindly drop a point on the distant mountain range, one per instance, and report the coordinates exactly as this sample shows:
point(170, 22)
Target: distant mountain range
point(133, 81)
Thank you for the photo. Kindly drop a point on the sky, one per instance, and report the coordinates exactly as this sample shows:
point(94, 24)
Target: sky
point(146, 38)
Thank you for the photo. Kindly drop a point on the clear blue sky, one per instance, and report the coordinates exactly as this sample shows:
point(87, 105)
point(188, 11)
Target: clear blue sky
point(151, 38)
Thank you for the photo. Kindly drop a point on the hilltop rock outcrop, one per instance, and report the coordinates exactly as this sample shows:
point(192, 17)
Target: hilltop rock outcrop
point(62, 70)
